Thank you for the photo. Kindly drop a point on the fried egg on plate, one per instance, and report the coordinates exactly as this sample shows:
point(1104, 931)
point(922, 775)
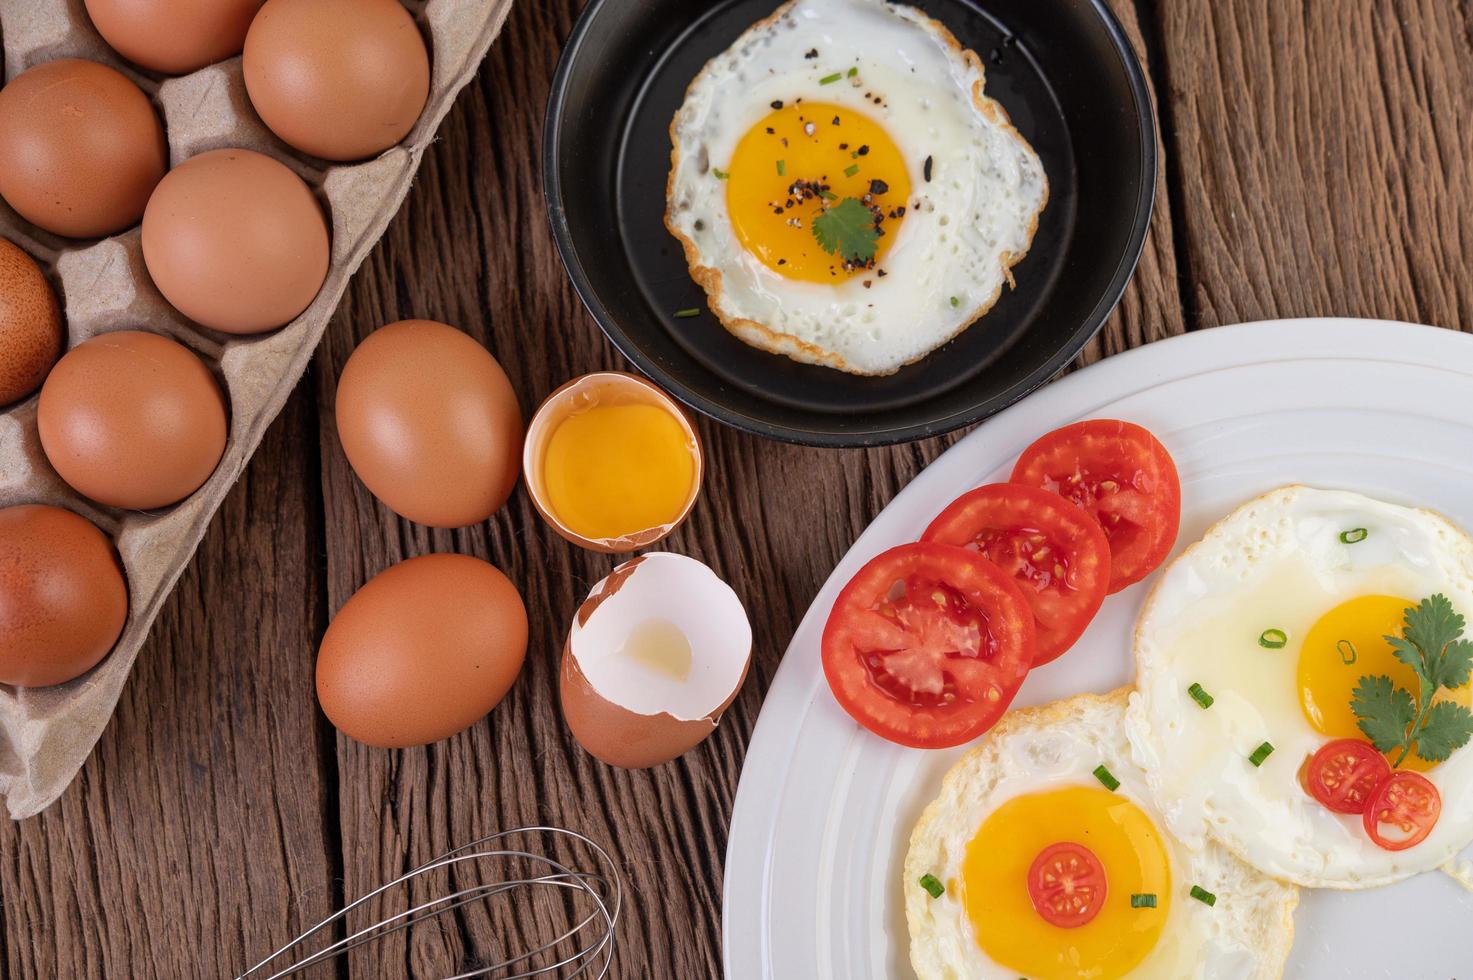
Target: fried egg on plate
point(837, 109)
point(1030, 784)
point(1279, 563)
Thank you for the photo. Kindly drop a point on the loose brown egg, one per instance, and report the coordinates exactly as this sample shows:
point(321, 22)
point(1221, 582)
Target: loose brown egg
point(340, 79)
point(30, 324)
point(63, 600)
point(81, 148)
point(424, 650)
point(174, 36)
point(236, 241)
point(429, 422)
point(657, 653)
point(132, 419)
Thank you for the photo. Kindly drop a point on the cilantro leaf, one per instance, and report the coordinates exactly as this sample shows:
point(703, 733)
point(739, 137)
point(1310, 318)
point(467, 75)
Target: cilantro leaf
point(1449, 725)
point(1431, 626)
point(1410, 654)
point(1432, 645)
point(848, 230)
point(1457, 664)
point(1383, 711)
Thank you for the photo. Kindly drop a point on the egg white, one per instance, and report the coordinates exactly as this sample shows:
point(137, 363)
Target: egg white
point(964, 231)
point(1245, 936)
point(1278, 562)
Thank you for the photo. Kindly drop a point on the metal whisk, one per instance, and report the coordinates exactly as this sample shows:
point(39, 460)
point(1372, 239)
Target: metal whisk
point(584, 949)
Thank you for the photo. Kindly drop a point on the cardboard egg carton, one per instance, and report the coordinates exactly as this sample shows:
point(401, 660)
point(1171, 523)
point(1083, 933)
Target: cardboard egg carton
point(47, 733)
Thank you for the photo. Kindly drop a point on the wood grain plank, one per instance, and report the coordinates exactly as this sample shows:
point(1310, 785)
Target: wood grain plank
point(195, 836)
point(473, 248)
point(1325, 152)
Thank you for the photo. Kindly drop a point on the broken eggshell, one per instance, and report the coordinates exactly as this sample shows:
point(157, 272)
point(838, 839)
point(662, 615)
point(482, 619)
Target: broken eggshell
point(656, 654)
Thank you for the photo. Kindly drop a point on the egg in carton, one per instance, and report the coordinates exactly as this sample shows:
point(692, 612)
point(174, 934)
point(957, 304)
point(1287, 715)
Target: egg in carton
point(46, 733)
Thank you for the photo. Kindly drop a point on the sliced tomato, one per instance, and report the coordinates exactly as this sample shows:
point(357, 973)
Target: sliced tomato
point(1067, 885)
point(927, 645)
point(1408, 805)
point(1124, 477)
point(1344, 773)
point(1055, 552)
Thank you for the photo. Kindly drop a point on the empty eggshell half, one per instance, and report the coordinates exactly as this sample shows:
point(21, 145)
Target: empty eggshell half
point(656, 654)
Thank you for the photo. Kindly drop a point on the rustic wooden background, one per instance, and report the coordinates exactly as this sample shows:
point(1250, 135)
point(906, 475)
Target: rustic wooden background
point(1317, 161)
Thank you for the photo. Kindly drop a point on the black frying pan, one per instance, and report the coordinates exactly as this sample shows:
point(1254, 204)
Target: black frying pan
point(1061, 68)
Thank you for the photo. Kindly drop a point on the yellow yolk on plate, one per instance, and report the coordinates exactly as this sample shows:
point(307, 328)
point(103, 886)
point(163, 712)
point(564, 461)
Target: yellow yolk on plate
point(797, 162)
point(995, 884)
point(613, 470)
point(1346, 644)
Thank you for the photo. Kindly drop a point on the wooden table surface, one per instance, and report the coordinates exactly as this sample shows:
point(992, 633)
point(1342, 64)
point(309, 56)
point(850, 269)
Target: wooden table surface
point(1318, 159)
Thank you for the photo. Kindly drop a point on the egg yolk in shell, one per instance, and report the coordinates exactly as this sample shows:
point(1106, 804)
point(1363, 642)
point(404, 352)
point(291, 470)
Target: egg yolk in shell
point(1131, 852)
point(1346, 644)
point(800, 160)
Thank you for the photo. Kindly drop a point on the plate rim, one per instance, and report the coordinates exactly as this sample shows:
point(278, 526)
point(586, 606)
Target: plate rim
point(836, 435)
point(752, 824)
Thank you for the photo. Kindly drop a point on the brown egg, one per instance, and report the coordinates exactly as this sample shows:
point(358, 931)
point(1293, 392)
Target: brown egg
point(81, 148)
point(656, 654)
point(173, 36)
point(236, 241)
point(132, 419)
point(430, 423)
point(30, 324)
point(424, 650)
point(340, 79)
point(63, 600)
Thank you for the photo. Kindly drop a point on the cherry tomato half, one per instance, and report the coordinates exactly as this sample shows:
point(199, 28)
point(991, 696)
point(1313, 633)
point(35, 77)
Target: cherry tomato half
point(1406, 803)
point(1055, 552)
point(927, 645)
point(1067, 885)
point(1344, 773)
point(1124, 477)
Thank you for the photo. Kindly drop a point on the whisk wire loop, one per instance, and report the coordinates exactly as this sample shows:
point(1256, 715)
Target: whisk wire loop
point(593, 934)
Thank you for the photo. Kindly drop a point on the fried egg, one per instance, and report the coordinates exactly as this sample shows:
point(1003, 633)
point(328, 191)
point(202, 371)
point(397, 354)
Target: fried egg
point(1032, 784)
point(841, 117)
point(1325, 575)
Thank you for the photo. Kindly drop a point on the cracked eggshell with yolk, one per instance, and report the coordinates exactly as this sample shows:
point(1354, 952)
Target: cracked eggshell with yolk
point(657, 652)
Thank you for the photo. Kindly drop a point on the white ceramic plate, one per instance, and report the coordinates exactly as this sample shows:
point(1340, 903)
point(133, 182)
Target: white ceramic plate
point(824, 809)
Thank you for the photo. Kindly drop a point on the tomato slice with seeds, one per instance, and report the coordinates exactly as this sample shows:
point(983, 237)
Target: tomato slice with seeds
point(1124, 477)
point(1055, 552)
point(1067, 884)
point(1408, 805)
point(1344, 773)
point(927, 645)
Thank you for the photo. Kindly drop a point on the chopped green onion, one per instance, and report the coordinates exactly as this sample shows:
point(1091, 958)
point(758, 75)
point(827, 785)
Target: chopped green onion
point(1259, 754)
point(831, 79)
point(932, 885)
point(687, 314)
point(1347, 652)
point(955, 302)
point(1145, 901)
point(720, 174)
point(851, 170)
point(1107, 777)
point(852, 72)
point(1200, 696)
point(1273, 639)
point(1354, 536)
point(1203, 895)
point(782, 168)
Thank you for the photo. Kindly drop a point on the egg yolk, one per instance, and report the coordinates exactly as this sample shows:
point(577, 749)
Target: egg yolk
point(613, 470)
point(1346, 644)
point(995, 885)
point(798, 162)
